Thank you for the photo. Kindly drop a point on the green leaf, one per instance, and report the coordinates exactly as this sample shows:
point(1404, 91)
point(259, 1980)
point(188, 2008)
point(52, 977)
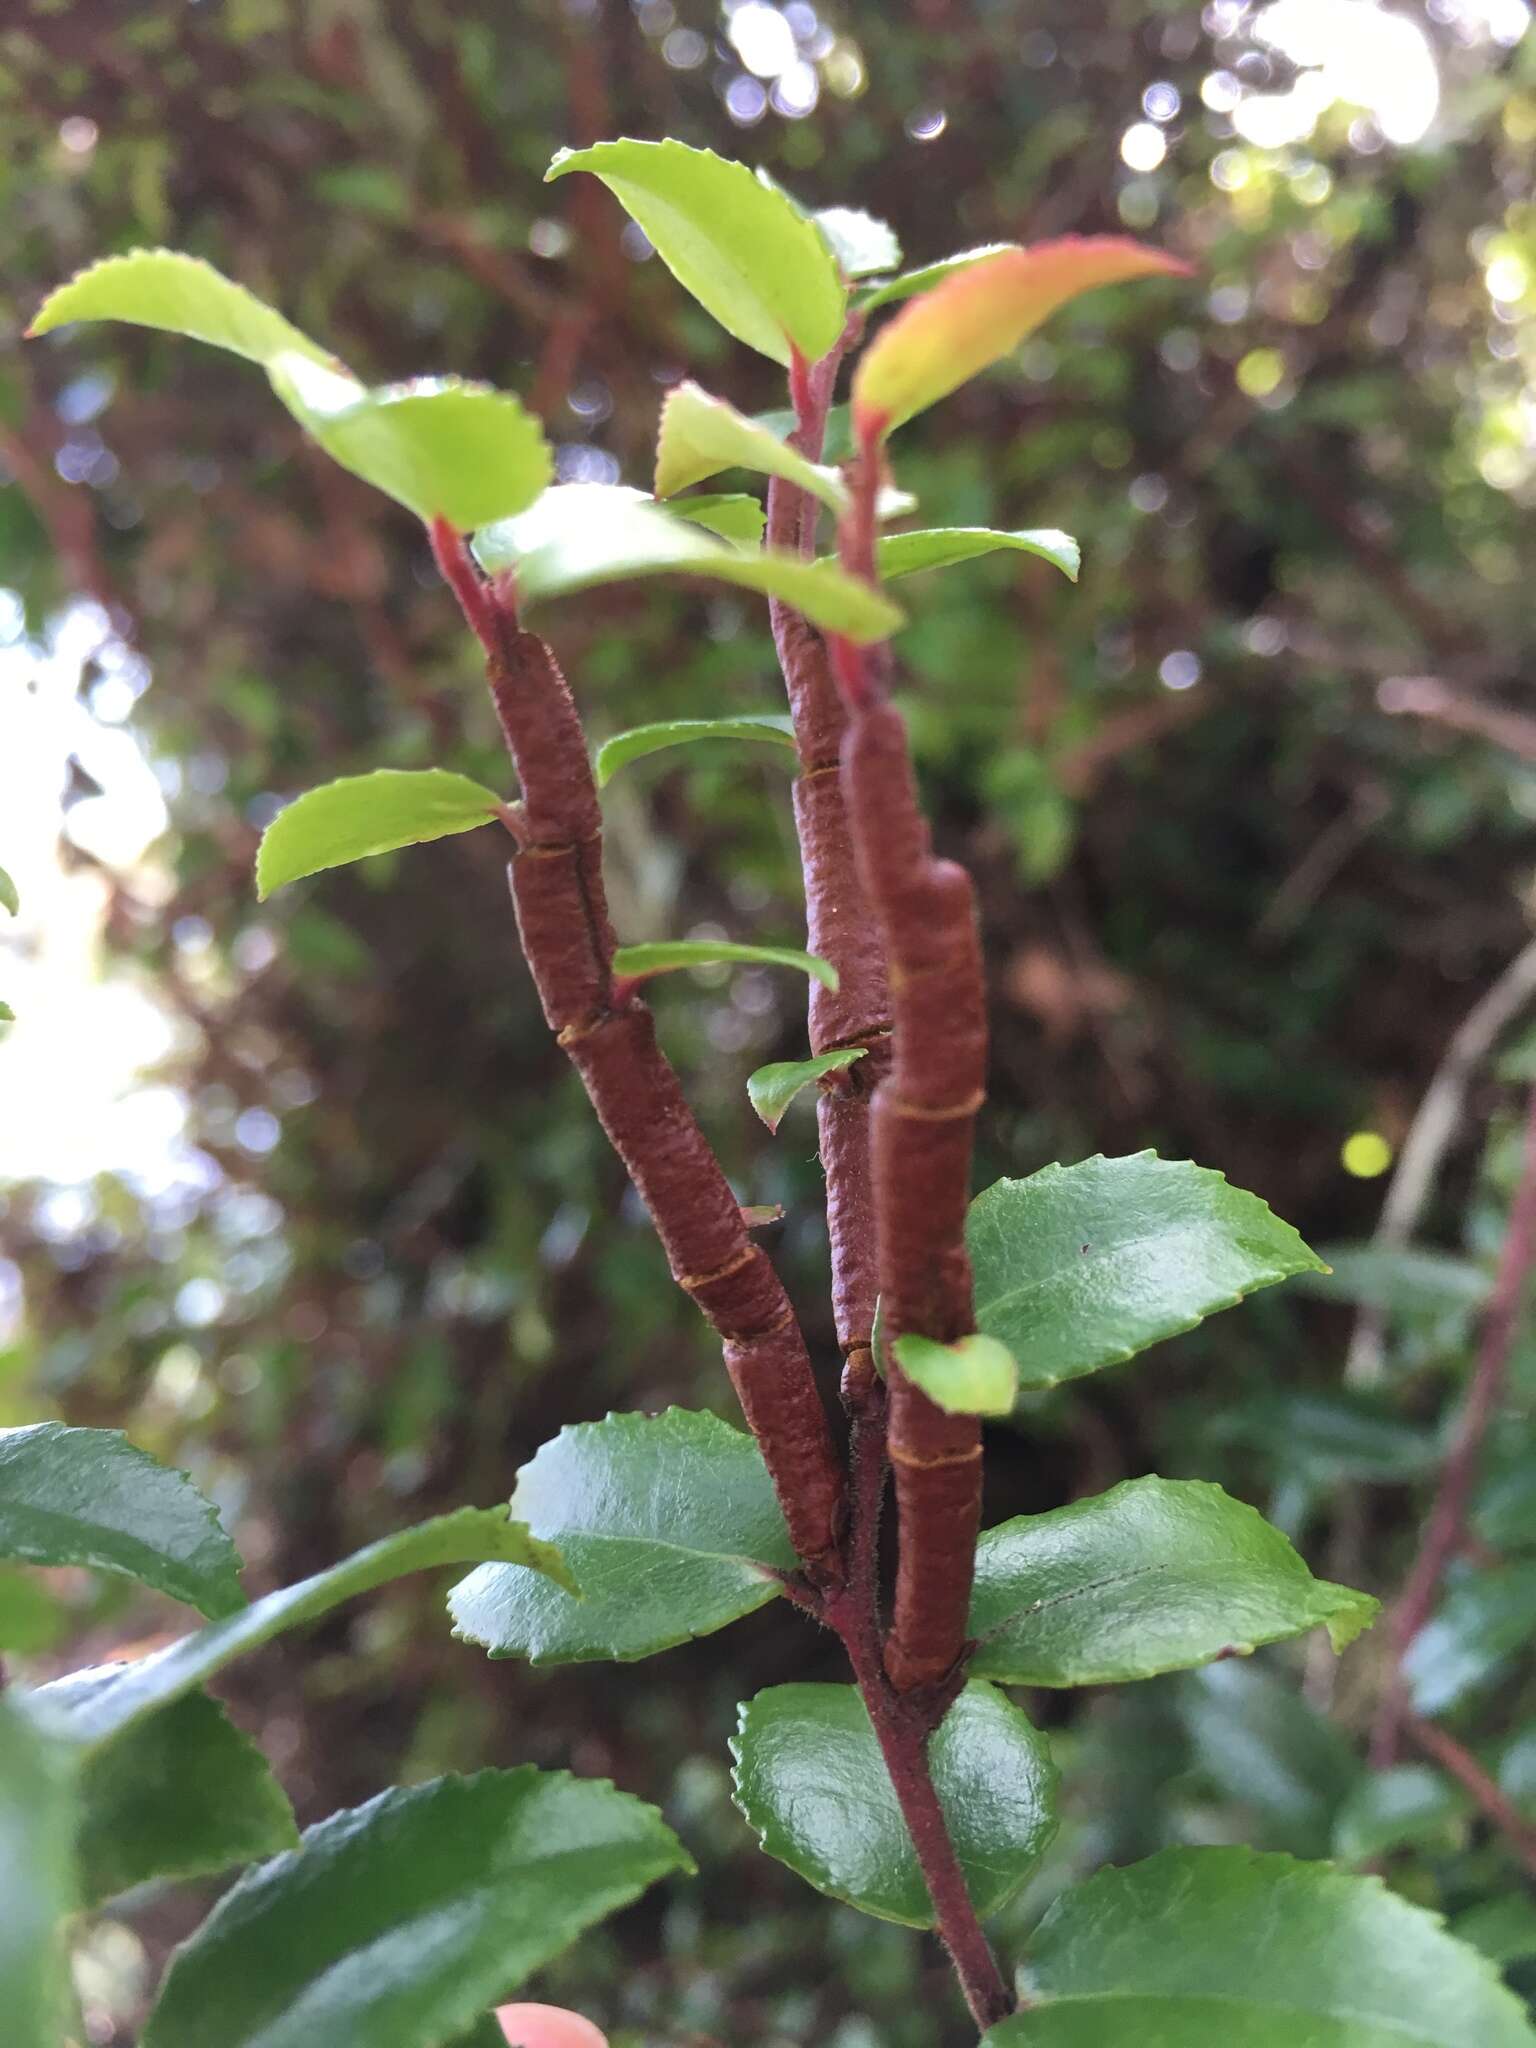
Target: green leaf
point(1227, 1948)
point(467, 1536)
point(9, 900)
point(1504, 1930)
point(1485, 1619)
point(1324, 1438)
point(772, 1089)
point(744, 251)
point(396, 1924)
point(1268, 1750)
point(439, 446)
point(180, 295)
point(361, 815)
point(1406, 1281)
point(735, 515)
point(1155, 1575)
point(810, 1780)
point(31, 1619)
point(1395, 1808)
point(1082, 1266)
point(184, 1794)
point(861, 244)
point(837, 442)
point(973, 1376)
point(1504, 1513)
point(700, 435)
point(88, 1496)
point(37, 1882)
point(936, 547)
point(7, 1014)
point(890, 289)
point(775, 727)
point(637, 963)
point(581, 534)
point(669, 1523)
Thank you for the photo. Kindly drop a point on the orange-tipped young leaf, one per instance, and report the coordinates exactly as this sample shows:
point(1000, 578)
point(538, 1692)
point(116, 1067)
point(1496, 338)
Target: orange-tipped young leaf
point(980, 315)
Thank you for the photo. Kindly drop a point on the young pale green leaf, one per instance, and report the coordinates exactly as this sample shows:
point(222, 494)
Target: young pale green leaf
point(741, 248)
point(88, 1496)
point(1155, 1575)
point(364, 814)
point(772, 1089)
point(973, 1376)
point(1264, 1747)
point(37, 1881)
point(862, 245)
point(700, 435)
point(180, 295)
point(911, 282)
point(396, 1924)
point(976, 316)
point(669, 1523)
point(1212, 1948)
point(7, 1014)
point(810, 1780)
point(1485, 1619)
point(777, 728)
point(1395, 1808)
point(1082, 1266)
point(184, 1794)
point(577, 535)
point(936, 547)
point(9, 900)
point(735, 515)
point(467, 1536)
point(638, 963)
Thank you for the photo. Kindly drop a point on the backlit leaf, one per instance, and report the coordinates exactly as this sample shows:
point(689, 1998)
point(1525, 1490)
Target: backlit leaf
point(700, 435)
point(772, 1089)
point(9, 900)
point(862, 245)
point(180, 295)
point(936, 547)
point(777, 728)
point(734, 515)
point(361, 815)
point(923, 279)
point(663, 956)
point(975, 1375)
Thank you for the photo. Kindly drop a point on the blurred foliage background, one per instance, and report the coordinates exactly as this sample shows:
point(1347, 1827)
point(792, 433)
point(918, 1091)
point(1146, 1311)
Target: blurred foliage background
point(302, 1195)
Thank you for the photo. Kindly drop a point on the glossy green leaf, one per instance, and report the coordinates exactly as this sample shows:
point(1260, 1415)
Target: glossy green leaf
point(862, 245)
point(180, 295)
point(923, 279)
point(88, 1496)
point(810, 1780)
point(184, 1794)
point(1228, 1948)
point(578, 535)
point(1155, 1575)
point(743, 250)
point(361, 815)
point(397, 1924)
point(9, 900)
point(775, 727)
point(37, 1882)
point(976, 1375)
point(936, 547)
point(638, 963)
point(1395, 1808)
point(669, 1524)
point(772, 1089)
point(1485, 1619)
point(699, 436)
point(1082, 1266)
point(1267, 1749)
point(467, 1536)
point(437, 445)
point(735, 515)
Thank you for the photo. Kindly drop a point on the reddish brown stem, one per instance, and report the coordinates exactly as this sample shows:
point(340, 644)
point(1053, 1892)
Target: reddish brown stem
point(1470, 1775)
point(1446, 1529)
point(609, 1035)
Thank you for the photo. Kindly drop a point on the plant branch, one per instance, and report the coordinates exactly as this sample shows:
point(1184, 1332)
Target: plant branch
point(1470, 1775)
point(608, 1034)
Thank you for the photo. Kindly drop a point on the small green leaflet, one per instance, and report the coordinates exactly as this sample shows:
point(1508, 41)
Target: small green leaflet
point(973, 1376)
point(735, 515)
point(777, 728)
point(37, 1881)
point(937, 547)
point(9, 900)
point(397, 1924)
point(637, 963)
point(89, 1497)
point(1211, 1948)
point(890, 289)
point(772, 1089)
point(742, 249)
point(811, 1783)
point(365, 814)
point(861, 244)
point(700, 436)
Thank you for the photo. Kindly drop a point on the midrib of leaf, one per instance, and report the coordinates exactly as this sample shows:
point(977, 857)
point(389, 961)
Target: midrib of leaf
point(661, 1543)
point(1377, 2022)
point(1129, 1244)
point(1116, 1579)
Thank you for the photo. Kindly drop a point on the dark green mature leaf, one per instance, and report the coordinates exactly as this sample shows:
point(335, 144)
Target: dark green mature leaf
point(1390, 1809)
point(861, 244)
point(662, 957)
point(937, 547)
point(973, 1376)
point(183, 1794)
point(741, 248)
point(1485, 1619)
point(774, 727)
point(467, 1536)
point(179, 295)
point(669, 1523)
point(360, 815)
point(37, 1882)
point(735, 515)
point(810, 1780)
point(1227, 1948)
point(1261, 1743)
point(773, 1088)
point(88, 1496)
point(1155, 1575)
point(923, 279)
point(9, 900)
point(1082, 1266)
point(396, 1924)
point(699, 436)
